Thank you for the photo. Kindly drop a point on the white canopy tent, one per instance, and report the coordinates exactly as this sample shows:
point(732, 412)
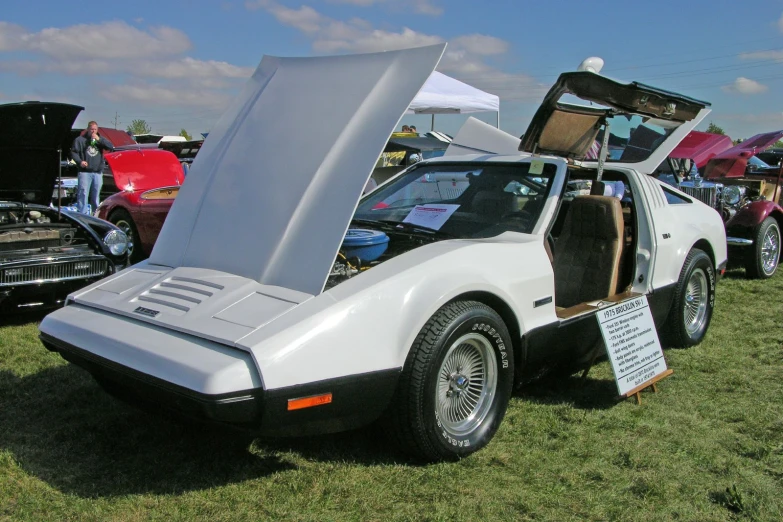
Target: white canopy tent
point(442, 94)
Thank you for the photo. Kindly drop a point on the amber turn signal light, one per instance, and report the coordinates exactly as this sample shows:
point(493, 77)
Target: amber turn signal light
point(309, 402)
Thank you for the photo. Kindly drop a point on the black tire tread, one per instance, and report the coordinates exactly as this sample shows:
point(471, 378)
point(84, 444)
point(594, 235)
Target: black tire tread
point(407, 415)
point(673, 330)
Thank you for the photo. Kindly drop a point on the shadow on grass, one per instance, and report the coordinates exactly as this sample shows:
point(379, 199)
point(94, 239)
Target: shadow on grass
point(61, 427)
point(588, 393)
point(64, 429)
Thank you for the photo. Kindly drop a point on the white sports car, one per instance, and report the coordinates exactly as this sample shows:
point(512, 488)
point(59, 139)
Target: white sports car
point(272, 300)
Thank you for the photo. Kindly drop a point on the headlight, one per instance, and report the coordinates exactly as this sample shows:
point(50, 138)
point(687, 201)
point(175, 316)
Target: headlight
point(732, 194)
point(117, 242)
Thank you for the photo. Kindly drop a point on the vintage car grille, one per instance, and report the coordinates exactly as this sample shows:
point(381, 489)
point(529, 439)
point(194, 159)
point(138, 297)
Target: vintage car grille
point(708, 193)
point(53, 271)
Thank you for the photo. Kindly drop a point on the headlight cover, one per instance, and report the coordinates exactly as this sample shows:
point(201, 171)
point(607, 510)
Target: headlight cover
point(732, 194)
point(116, 241)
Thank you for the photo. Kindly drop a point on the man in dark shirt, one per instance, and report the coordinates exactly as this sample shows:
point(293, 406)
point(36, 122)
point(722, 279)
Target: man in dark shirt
point(87, 152)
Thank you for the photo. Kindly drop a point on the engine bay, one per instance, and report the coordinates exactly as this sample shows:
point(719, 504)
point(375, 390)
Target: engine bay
point(25, 232)
point(353, 259)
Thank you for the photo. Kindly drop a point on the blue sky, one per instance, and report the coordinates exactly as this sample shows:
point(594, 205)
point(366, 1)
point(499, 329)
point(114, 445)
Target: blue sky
point(176, 64)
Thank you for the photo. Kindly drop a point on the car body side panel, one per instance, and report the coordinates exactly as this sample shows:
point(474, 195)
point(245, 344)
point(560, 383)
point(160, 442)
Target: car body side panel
point(744, 222)
point(677, 228)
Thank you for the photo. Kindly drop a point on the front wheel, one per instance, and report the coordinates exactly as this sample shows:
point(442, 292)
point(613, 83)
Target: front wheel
point(762, 260)
point(694, 300)
point(123, 220)
point(456, 383)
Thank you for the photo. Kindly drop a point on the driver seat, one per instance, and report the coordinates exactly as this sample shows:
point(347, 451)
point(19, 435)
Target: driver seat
point(588, 251)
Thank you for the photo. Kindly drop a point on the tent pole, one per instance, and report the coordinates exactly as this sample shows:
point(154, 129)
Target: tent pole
point(432, 122)
point(498, 120)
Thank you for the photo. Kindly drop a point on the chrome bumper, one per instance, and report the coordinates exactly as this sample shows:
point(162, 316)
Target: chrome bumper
point(738, 241)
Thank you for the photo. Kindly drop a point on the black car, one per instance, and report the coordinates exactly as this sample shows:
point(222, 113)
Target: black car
point(45, 252)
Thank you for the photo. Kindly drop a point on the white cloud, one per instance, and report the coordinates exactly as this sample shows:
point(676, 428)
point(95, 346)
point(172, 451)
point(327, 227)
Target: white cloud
point(763, 55)
point(163, 95)
point(11, 36)
point(425, 7)
point(109, 40)
point(481, 44)
point(744, 85)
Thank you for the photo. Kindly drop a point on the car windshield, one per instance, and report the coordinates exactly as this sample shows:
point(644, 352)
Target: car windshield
point(461, 200)
point(755, 162)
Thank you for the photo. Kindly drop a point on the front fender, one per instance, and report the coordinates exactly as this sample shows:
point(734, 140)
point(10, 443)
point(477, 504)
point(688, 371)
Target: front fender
point(745, 221)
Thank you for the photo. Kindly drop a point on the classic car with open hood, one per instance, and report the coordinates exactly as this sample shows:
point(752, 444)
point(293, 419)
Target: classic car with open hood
point(271, 300)
point(45, 253)
point(145, 182)
point(746, 192)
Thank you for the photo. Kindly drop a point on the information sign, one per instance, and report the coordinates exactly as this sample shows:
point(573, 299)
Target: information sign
point(632, 344)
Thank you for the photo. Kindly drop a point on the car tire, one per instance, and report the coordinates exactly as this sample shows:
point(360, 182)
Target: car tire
point(456, 383)
point(763, 258)
point(693, 302)
point(123, 220)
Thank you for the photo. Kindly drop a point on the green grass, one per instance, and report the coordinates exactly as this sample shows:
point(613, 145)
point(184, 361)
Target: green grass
point(708, 446)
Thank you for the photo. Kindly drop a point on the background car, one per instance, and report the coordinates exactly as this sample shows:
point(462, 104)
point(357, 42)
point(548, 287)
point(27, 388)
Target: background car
point(45, 253)
point(143, 184)
point(747, 193)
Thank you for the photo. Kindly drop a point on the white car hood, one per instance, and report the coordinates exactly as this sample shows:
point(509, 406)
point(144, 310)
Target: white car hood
point(272, 190)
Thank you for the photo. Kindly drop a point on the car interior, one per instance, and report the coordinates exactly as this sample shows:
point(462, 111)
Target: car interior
point(592, 241)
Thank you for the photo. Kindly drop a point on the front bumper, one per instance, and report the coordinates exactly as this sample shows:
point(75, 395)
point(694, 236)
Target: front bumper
point(150, 366)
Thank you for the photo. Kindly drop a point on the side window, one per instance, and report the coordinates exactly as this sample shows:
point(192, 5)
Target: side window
point(674, 198)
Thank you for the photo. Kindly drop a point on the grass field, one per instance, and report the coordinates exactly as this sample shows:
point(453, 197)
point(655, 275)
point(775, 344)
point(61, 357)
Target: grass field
point(708, 446)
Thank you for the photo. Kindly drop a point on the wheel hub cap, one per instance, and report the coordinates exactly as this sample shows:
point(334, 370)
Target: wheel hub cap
point(770, 249)
point(466, 385)
point(695, 309)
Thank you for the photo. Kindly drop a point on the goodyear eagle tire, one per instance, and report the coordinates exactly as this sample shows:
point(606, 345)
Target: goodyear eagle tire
point(456, 383)
point(763, 258)
point(694, 300)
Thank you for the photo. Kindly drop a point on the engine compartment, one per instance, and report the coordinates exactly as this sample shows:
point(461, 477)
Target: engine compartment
point(25, 232)
point(348, 264)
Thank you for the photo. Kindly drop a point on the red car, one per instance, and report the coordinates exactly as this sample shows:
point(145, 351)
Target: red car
point(148, 180)
point(745, 191)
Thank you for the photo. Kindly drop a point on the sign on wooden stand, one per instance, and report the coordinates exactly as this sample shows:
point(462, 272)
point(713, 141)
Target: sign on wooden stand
point(632, 346)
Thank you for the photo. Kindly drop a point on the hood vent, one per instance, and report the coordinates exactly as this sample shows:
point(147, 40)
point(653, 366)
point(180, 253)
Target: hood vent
point(180, 293)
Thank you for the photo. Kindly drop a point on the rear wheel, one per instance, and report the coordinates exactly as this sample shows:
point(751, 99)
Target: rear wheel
point(124, 222)
point(694, 300)
point(762, 260)
point(456, 383)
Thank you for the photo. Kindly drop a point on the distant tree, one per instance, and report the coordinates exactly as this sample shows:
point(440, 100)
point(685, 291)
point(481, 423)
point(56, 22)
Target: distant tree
point(737, 141)
point(714, 129)
point(778, 145)
point(184, 133)
point(139, 127)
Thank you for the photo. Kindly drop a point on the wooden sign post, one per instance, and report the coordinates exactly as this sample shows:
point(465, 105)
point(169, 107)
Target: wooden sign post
point(632, 346)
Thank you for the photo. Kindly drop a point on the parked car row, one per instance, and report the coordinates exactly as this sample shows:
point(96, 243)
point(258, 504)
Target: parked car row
point(457, 280)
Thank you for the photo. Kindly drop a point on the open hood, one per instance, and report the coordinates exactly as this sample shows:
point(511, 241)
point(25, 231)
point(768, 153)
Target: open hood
point(144, 169)
point(272, 190)
point(732, 163)
point(30, 136)
point(700, 147)
point(642, 118)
